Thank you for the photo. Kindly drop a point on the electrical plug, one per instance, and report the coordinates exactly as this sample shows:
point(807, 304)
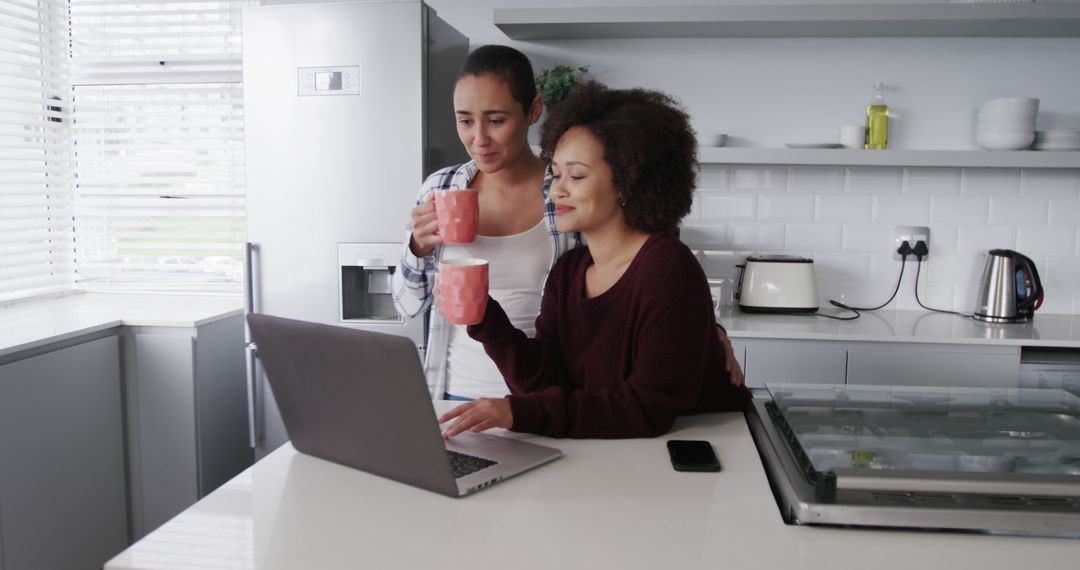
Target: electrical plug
point(920, 250)
point(904, 250)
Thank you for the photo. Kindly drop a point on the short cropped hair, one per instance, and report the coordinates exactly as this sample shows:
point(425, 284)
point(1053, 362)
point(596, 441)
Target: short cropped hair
point(509, 65)
point(648, 143)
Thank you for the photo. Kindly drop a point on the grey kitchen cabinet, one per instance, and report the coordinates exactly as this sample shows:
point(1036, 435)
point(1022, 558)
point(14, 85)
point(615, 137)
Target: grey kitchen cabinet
point(877, 363)
point(917, 364)
point(799, 361)
point(187, 415)
point(62, 478)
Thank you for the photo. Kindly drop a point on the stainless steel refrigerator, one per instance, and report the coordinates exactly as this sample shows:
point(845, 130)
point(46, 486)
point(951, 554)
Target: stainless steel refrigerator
point(347, 107)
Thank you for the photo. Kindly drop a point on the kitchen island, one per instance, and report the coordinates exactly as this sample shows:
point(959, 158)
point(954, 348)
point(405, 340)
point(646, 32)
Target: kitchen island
point(606, 504)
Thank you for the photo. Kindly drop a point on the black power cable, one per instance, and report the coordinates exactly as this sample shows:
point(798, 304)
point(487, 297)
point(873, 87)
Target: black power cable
point(904, 250)
point(920, 251)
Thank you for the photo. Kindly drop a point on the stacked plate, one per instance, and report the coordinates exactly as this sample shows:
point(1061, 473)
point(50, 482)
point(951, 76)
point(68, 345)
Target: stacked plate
point(1057, 140)
point(1007, 124)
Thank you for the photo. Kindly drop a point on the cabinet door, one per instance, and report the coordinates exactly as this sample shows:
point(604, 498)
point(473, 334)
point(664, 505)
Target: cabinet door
point(913, 364)
point(221, 401)
point(62, 483)
point(799, 361)
point(166, 481)
point(739, 348)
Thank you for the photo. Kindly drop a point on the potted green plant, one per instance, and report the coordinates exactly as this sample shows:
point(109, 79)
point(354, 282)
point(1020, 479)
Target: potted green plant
point(558, 81)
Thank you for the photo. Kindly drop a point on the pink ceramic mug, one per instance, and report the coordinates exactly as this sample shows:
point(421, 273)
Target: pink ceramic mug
point(458, 212)
point(463, 290)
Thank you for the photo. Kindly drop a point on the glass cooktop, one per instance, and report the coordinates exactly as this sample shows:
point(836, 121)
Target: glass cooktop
point(904, 428)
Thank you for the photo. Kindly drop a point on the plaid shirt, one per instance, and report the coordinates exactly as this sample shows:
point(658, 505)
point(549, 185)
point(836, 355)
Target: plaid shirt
point(413, 283)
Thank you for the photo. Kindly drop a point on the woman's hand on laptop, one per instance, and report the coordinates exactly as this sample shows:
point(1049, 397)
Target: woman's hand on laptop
point(478, 415)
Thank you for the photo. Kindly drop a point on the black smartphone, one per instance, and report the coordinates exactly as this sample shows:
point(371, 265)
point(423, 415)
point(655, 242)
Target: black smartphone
point(692, 455)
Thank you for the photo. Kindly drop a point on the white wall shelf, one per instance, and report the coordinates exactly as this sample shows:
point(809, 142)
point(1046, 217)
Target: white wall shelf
point(1037, 19)
point(925, 158)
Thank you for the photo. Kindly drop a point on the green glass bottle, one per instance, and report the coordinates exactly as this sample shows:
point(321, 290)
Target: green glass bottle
point(877, 120)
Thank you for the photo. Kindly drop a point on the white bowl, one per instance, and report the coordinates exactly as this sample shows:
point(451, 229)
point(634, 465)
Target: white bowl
point(1007, 125)
point(1006, 117)
point(1005, 128)
point(1005, 141)
point(1012, 104)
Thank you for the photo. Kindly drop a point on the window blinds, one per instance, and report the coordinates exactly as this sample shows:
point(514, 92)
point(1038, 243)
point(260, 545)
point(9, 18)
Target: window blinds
point(158, 131)
point(36, 238)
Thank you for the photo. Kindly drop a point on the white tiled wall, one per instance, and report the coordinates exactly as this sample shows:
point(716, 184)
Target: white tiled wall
point(844, 218)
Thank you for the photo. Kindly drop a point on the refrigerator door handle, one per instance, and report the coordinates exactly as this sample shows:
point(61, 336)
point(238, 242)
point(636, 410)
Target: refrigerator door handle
point(251, 353)
point(250, 350)
point(249, 277)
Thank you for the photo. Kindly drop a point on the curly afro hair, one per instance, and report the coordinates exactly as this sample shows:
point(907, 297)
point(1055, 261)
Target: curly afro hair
point(648, 143)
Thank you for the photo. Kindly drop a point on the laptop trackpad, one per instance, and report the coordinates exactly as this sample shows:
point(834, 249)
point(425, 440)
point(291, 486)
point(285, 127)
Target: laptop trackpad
point(512, 456)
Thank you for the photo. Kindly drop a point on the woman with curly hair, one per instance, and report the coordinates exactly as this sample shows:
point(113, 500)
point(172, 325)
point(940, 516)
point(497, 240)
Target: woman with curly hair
point(626, 338)
point(495, 101)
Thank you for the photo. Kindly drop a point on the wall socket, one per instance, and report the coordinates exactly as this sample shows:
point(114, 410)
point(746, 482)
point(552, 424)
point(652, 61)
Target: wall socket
point(911, 234)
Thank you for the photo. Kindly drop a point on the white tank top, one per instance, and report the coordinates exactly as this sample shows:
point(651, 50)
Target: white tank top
point(517, 268)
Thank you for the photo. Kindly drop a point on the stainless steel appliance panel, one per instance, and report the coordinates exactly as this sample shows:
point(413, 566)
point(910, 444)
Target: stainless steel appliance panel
point(985, 460)
point(347, 108)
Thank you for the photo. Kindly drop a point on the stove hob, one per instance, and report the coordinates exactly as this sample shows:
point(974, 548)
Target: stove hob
point(985, 460)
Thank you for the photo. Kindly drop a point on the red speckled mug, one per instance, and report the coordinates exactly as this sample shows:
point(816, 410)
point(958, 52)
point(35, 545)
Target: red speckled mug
point(458, 212)
point(463, 290)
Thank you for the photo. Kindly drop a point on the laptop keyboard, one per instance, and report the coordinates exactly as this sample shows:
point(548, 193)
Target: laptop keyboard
point(464, 464)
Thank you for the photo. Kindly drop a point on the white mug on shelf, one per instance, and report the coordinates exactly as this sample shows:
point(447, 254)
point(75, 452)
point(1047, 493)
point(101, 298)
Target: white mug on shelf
point(853, 136)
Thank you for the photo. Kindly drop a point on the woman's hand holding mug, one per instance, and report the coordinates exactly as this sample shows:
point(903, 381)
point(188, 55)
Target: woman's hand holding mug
point(425, 225)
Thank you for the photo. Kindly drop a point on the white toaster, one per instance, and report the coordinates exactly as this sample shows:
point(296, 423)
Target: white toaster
point(777, 284)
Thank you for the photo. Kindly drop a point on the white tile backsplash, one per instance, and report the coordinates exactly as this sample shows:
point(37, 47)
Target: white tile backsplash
point(842, 266)
point(815, 179)
point(990, 182)
point(932, 181)
point(708, 236)
point(712, 177)
point(728, 207)
point(867, 238)
point(1050, 182)
point(1065, 212)
point(903, 210)
point(785, 208)
point(952, 268)
point(1060, 271)
point(883, 267)
point(813, 236)
point(1028, 211)
point(757, 236)
point(843, 208)
point(874, 180)
point(978, 239)
point(759, 179)
point(970, 210)
point(695, 208)
point(1046, 241)
point(1057, 301)
point(942, 296)
point(845, 220)
point(943, 238)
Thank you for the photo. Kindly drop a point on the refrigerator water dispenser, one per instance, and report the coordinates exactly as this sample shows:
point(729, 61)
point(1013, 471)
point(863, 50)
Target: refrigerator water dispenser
point(365, 294)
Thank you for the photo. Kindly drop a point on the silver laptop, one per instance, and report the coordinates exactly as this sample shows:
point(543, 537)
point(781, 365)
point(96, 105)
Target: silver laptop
point(360, 399)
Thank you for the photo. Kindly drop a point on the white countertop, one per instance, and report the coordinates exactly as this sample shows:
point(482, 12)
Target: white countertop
point(1061, 331)
point(606, 504)
point(30, 324)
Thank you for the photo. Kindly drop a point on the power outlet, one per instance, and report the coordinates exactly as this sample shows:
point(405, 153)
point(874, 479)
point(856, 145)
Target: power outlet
point(911, 234)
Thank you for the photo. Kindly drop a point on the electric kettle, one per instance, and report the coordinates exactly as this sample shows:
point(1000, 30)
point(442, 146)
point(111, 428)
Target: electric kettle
point(1010, 290)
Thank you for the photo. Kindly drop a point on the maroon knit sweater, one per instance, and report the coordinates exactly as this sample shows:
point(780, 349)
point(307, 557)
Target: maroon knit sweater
point(623, 364)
